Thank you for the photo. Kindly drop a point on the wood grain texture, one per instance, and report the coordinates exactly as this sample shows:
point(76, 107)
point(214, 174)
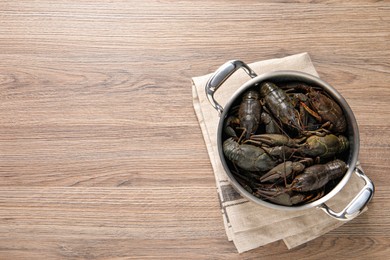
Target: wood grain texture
point(101, 155)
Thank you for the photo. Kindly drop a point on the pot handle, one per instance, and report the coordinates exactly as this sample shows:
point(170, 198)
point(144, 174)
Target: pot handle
point(356, 206)
point(220, 76)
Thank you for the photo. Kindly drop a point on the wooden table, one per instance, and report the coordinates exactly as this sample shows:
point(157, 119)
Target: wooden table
point(101, 154)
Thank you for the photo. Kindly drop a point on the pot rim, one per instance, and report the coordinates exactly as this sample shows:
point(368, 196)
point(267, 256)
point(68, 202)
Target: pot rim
point(353, 134)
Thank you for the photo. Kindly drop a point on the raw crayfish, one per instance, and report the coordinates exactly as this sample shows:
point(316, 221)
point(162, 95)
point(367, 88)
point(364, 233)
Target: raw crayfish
point(286, 146)
point(324, 109)
point(247, 157)
point(313, 178)
point(322, 146)
point(316, 176)
point(284, 196)
point(277, 101)
point(249, 112)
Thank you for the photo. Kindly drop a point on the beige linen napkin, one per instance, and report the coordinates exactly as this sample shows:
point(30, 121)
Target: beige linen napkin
point(247, 224)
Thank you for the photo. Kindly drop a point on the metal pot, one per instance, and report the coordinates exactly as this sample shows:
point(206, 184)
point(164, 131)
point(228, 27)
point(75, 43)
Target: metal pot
point(358, 203)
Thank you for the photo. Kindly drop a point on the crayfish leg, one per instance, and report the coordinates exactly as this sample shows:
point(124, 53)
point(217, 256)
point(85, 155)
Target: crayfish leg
point(311, 112)
point(244, 133)
point(250, 141)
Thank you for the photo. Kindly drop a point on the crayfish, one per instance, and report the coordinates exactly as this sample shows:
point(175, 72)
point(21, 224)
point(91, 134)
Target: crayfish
point(247, 157)
point(286, 144)
point(278, 102)
point(249, 112)
point(325, 110)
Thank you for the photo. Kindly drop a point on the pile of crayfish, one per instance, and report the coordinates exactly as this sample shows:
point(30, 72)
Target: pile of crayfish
point(286, 143)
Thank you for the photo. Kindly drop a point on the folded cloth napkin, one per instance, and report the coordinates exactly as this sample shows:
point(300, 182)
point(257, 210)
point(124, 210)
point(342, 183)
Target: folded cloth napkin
point(247, 224)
